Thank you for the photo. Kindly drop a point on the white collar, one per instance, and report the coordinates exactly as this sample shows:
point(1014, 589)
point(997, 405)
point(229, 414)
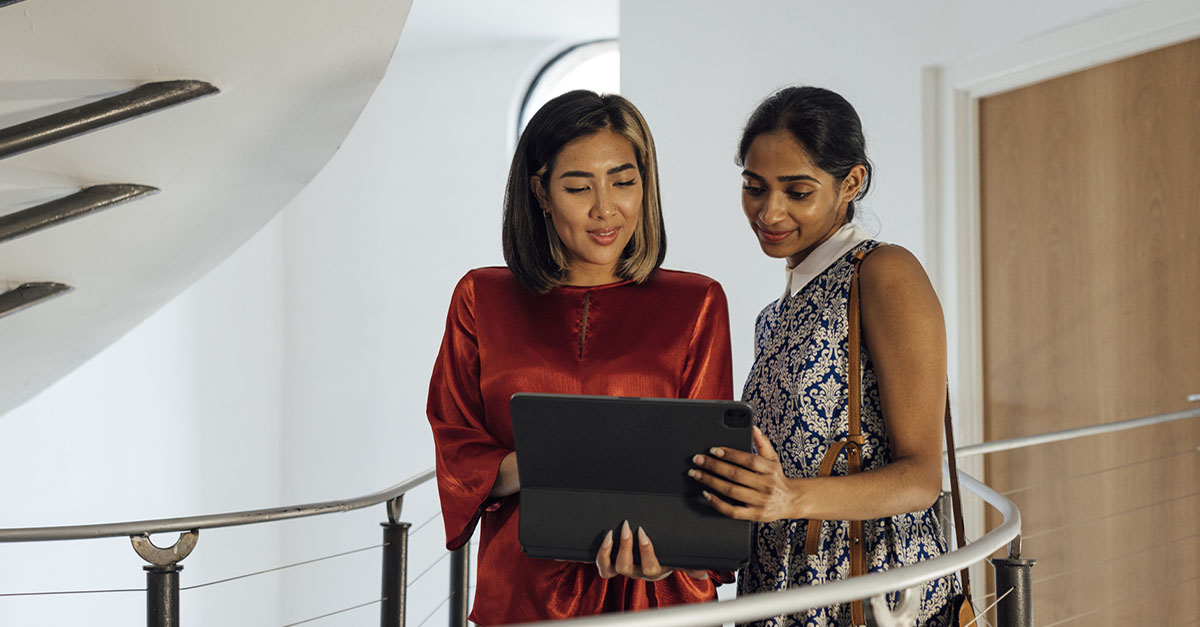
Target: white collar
point(823, 256)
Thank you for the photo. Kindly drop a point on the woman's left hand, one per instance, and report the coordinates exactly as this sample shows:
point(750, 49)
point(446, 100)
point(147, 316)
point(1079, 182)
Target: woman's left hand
point(756, 480)
point(649, 570)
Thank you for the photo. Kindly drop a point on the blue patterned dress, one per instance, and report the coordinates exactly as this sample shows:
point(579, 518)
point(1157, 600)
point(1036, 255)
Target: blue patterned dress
point(799, 391)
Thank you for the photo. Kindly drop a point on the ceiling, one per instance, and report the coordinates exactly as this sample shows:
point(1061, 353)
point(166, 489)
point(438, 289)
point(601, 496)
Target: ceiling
point(293, 79)
point(454, 23)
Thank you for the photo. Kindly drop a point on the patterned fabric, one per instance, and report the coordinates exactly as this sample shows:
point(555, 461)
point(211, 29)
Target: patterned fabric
point(798, 387)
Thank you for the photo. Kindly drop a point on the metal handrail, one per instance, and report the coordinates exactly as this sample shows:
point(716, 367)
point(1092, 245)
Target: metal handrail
point(92, 116)
point(211, 521)
point(86, 201)
point(779, 603)
point(1009, 444)
point(752, 607)
point(27, 295)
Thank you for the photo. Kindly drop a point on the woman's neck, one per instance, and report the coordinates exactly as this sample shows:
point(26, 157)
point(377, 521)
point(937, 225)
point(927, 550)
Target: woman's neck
point(584, 275)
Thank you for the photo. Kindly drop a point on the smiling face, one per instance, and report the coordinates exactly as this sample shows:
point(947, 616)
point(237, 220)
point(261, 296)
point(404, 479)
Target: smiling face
point(594, 198)
point(792, 204)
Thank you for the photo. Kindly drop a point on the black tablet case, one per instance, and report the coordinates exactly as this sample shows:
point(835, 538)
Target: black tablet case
point(587, 463)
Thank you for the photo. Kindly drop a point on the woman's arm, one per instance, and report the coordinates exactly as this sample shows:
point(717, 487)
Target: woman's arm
point(708, 373)
point(904, 331)
point(469, 457)
point(508, 481)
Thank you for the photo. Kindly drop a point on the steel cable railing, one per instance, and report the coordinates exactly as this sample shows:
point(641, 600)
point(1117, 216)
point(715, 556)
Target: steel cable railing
point(874, 586)
point(163, 588)
point(739, 609)
point(236, 578)
point(796, 600)
point(1087, 516)
point(212, 521)
point(335, 613)
point(198, 585)
point(445, 600)
point(1009, 444)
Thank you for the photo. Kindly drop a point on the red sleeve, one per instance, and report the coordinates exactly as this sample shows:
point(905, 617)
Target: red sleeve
point(468, 456)
point(708, 373)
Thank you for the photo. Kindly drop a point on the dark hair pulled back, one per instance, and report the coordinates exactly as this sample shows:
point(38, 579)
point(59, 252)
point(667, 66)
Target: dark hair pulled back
point(823, 122)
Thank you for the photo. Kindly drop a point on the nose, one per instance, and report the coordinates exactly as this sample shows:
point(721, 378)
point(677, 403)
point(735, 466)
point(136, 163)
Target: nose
point(772, 210)
point(603, 206)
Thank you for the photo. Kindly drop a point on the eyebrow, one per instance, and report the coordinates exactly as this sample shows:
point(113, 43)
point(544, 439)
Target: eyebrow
point(783, 179)
point(620, 168)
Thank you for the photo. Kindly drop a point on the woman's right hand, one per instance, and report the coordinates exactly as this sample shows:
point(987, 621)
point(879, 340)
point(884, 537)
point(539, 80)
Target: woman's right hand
point(650, 570)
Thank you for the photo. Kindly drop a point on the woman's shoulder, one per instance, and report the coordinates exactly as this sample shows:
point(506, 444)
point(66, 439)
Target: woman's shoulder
point(887, 262)
point(892, 276)
point(486, 277)
point(483, 281)
point(683, 282)
point(683, 278)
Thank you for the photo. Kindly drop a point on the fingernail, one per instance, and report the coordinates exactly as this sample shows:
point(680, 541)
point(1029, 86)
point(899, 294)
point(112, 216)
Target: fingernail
point(698, 460)
point(707, 496)
point(719, 452)
point(607, 539)
point(757, 430)
point(695, 474)
point(625, 532)
point(643, 539)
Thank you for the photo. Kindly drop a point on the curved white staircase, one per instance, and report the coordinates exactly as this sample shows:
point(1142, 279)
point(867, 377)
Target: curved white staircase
point(292, 79)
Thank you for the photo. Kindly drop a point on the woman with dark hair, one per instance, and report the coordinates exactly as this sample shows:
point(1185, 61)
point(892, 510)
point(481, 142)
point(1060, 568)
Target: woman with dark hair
point(805, 167)
point(582, 308)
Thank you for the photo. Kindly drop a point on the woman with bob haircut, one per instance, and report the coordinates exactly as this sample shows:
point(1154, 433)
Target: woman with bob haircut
point(581, 308)
point(848, 458)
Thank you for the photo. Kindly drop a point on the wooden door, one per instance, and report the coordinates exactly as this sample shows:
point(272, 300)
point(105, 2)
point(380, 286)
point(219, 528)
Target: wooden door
point(1090, 195)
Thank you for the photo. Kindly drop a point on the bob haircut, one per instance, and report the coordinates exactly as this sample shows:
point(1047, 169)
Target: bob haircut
point(532, 249)
point(821, 121)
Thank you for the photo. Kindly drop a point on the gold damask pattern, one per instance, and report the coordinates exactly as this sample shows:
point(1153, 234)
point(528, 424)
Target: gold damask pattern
point(798, 387)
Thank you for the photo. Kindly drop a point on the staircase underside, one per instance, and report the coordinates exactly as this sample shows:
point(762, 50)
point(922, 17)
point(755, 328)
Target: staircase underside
point(292, 79)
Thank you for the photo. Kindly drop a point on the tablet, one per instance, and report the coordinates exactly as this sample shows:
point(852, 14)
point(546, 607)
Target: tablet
point(587, 463)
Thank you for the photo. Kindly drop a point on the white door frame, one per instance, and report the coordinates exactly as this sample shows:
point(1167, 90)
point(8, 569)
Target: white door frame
point(951, 95)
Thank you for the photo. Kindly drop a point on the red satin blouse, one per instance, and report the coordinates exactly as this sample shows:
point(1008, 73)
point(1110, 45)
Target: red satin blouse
point(668, 337)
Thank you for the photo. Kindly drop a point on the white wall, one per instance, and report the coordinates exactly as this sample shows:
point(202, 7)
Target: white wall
point(696, 69)
point(375, 246)
point(179, 417)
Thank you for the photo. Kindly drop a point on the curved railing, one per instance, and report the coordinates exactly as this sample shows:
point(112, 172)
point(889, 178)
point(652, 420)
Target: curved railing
point(163, 585)
point(875, 585)
point(215, 521)
point(162, 579)
point(162, 575)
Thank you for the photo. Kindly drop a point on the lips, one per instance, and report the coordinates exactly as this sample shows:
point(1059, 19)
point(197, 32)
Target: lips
point(604, 237)
point(772, 237)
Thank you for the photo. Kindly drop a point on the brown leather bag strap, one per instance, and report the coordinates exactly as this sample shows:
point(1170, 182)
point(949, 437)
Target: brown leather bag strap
point(852, 444)
point(956, 495)
point(813, 535)
point(855, 348)
point(854, 434)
